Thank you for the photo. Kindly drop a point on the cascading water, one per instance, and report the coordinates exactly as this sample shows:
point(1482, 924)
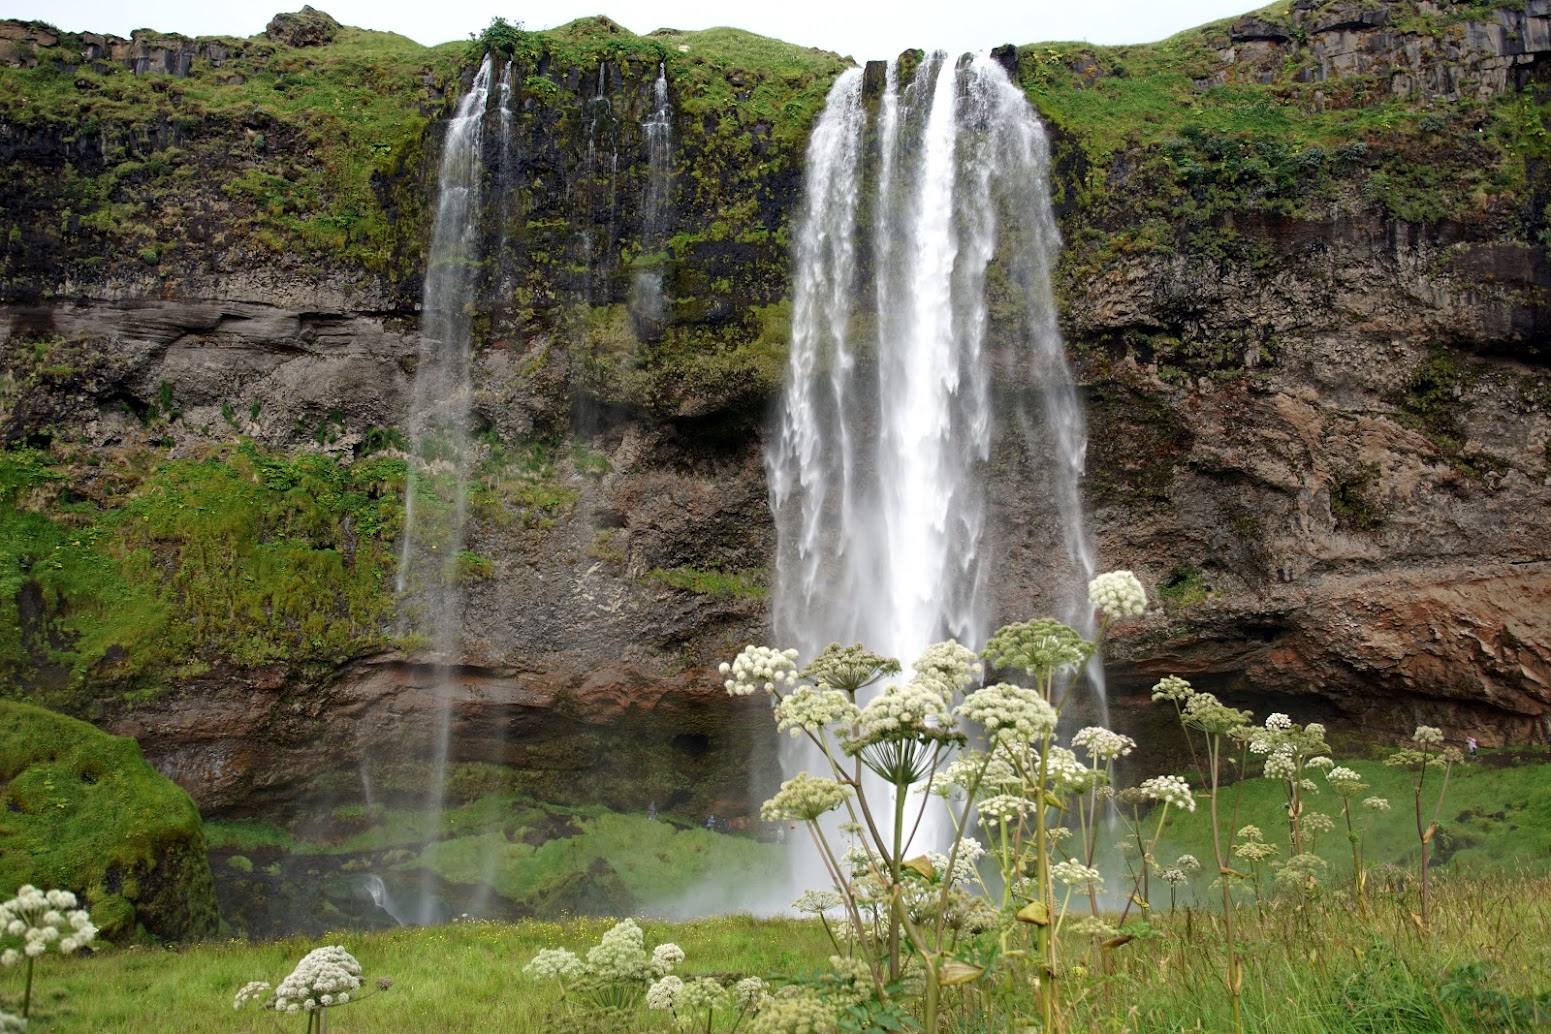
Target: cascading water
point(646, 297)
point(437, 495)
point(879, 469)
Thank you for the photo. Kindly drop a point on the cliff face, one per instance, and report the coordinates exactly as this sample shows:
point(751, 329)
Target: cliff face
point(1306, 303)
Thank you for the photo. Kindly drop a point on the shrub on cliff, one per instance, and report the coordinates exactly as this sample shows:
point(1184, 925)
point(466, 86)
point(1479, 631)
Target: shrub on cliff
point(82, 810)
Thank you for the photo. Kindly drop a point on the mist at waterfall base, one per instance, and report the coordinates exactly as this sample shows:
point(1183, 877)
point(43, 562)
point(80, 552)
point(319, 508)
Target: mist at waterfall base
point(925, 353)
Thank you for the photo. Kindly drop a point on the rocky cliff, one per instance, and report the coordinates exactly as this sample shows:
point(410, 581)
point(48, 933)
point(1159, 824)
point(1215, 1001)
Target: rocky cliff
point(1303, 285)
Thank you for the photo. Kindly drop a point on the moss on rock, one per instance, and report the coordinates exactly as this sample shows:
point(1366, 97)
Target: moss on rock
point(82, 810)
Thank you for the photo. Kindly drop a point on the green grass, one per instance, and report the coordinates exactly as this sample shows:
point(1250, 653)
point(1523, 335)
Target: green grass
point(1314, 969)
point(751, 584)
point(1494, 819)
point(462, 977)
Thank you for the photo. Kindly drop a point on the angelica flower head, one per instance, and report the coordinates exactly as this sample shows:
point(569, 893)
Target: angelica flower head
point(1345, 782)
point(1189, 863)
point(665, 957)
point(1174, 688)
point(1076, 874)
point(1117, 594)
point(809, 709)
point(555, 964)
point(1376, 803)
point(1002, 809)
point(1170, 789)
point(749, 993)
point(1010, 712)
point(1103, 744)
point(760, 667)
point(330, 970)
point(804, 798)
point(848, 668)
point(1041, 647)
point(664, 993)
point(953, 665)
point(42, 919)
point(1428, 734)
point(620, 954)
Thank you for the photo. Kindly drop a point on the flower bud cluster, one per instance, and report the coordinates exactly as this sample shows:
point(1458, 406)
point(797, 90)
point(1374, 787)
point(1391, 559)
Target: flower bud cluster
point(1117, 594)
point(1345, 782)
point(760, 668)
point(555, 964)
point(902, 712)
point(41, 919)
point(951, 664)
point(620, 954)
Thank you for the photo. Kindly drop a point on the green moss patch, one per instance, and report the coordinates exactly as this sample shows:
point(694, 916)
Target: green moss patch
point(136, 569)
point(83, 811)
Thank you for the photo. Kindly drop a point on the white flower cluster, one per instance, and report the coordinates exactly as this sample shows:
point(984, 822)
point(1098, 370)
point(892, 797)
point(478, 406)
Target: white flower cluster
point(760, 667)
point(1170, 789)
point(1276, 721)
point(664, 994)
point(252, 991)
point(43, 918)
point(555, 964)
point(620, 954)
point(1189, 863)
point(951, 664)
point(809, 709)
point(964, 870)
point(12, 1024)
point(1345, 781)
point(900, 712)
point(1076, 874)
point(1174, 877)
point(1010, 712)
point(1065, 774)
point(326, 976)
point(803, 798)
point(665, 957)
point(1102, 744)
point(1280, 765)
point(1117, 594)
point(749, 993)
point(1428, 734)
point(1376, 803)
point(1174, 688)
point(1003, 808)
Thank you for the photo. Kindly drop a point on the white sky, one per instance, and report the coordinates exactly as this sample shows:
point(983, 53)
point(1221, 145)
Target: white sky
point(879, 29)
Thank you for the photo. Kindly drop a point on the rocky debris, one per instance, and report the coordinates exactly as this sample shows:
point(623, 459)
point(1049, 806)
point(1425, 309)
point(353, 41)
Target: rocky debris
point(308, 27)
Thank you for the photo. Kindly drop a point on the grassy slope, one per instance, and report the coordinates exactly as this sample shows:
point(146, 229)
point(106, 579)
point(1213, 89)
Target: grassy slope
point(1494, 819)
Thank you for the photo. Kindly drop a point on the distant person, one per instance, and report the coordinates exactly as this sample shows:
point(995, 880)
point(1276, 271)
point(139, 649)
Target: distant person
point(651, 812)
point(1470, 745)
point(710, 823)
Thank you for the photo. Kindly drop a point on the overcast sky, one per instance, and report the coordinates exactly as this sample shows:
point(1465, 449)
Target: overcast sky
point(861, 30)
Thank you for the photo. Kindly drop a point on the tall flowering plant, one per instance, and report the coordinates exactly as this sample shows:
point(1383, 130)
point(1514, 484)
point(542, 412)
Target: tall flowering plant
point(1428, 755)
point(325, 978)
point(909, 734)
point(41, 920)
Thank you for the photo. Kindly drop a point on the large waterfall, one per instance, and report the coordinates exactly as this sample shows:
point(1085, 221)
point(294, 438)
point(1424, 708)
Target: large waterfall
point(923, 335)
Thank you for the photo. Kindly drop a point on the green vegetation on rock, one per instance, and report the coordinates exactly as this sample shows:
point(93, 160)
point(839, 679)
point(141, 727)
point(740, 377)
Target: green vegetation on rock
point(83, 811)
point(123, 573)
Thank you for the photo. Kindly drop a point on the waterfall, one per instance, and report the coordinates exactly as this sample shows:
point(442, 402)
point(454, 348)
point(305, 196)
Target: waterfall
point(646, 296)
point(879, 467)
point(437, 495)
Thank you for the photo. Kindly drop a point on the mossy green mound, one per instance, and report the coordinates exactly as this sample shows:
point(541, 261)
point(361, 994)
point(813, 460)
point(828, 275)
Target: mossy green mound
point(82, 810)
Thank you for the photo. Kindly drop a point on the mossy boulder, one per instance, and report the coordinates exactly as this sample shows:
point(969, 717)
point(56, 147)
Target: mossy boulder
point(82, 810)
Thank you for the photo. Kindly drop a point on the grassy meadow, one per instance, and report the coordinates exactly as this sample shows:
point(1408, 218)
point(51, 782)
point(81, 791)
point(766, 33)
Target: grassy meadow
point(1315, 966)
